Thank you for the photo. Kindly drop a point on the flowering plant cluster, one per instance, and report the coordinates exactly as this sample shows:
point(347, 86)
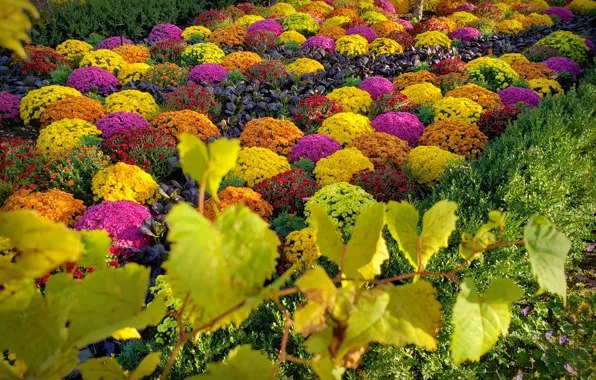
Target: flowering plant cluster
point(291, 37)
point(41, 63)
point(455, 136)
point(341, 166)
point(168, 50)
point(277, 135)
point(494, 123)
point(133, 72)
point(382, 46)
point(427, 163)
point(120, 121)
point(9, 109)
point(240, 60)
point(114, 42)
point(164, 32)
point(344, 127)
point(260, 41)
point(302, 23)
point(544, 86)
point(540, 53)
point(207, 72)
point(203, 53)
point(461, 109)
point(287, 191)
point(313, 148)
point(266, 26)
point(35, 102)
point(403, 125)
point(176, 122)
point(232, 35)
point(561, 13)
point(165, 75)
point(212, 18)
point(352, 99)
point(300, 247)
point(568, 44)
point(392, 102)
point(384, 184)
point(364, 31)
point(63, 134)
point(351, 45)
point(487, 99)
point(422, 93)
point(271, 71)
point(382, 149)
point(104, 58)
point(132, 101)
point(20, 163)
point(303, 66)
point(493, 73)
point(73, 107)
point(256, 164)
point(234, 196)
point(74, 50)
point(195, 30)
point(194, 97)
point(466, 34)
point(560, 64)
point(93, 79)
point(431, 25)
point(133, 53)
point(415, 77)
point(448, 66)
point(512, 96)
point(53, 205)
point(313, 110)
point(510, 26)
point(532, 70)
point(376, 86)
point(322, 42)
point(124, 182)
point(432, 38)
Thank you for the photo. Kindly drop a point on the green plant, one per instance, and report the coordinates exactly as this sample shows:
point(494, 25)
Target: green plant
point(60, 75)
point(352, 81)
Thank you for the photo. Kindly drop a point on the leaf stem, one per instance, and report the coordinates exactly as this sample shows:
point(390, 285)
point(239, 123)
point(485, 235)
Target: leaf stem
point(202, 195)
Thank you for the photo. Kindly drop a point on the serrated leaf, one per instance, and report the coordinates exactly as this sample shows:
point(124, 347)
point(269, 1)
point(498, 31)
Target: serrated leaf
point(479, 320)
point(218, 265)
point(44, 245)
point(209, 163)
point(242, 363)
point(146, 367)
point(329, 242)
point(96, 246)
point(126, 333)
point(438, 223)
point(547, 249)
point(367, 249)
point(320, 293)
point(396, 315)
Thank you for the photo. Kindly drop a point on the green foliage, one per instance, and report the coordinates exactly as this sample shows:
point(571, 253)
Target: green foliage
point(426, 114)
point(422, 66)
point(285, 223)
point(307, 165)
point(236, 77)
point(60, 75)
point(352, 81)
point(242, 363)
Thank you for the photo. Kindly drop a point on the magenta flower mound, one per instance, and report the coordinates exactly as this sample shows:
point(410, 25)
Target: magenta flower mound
point(114, 42)
point(113, 123)
point(591, 47)
point(9, 108)
point(512, 96)
point(164, 32)
point(365, 32)
point(93, 79)
point(465, 34)
point(386, 6)
point(404, 125)
point(466, 7)
point(314, 147)
point(120, 219)
point(207, 72)
point(266, 26)
point(406, 24)
point(317, 19)
point(560, 64)
point(563, 14)
point(322, 42)
point(377, 86)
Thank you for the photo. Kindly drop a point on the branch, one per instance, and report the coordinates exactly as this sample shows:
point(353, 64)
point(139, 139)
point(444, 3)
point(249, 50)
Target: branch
point(284, 339)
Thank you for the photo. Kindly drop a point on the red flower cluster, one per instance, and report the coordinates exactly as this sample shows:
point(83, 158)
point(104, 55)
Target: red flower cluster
point(393, 102)
point(313, 110)
point(41, 63)
point(167, 50)
point(145, 147)
point(260, 40)
point(356, 22)
point(384, 184)
point(212, 17)
point(194, 97)
point(429, 25)
point(286, 191)
point(448, 66)
point(267, 71)
point(493, 123)
point(20, 163)
point(403, 38)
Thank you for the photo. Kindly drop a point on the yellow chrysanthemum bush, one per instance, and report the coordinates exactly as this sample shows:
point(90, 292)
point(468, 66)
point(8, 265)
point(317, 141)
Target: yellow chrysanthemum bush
point(300, 247)
point(124, 182)
point(63, 134)
point(197, 30)
point(461, 109)
point(35, 102)
point(541, 5)
point(487, 99)
point(337, 21)
point(422, 93)
point(463, 19)
point(341, 166)
point(282, 8)
point(133, 53)
point(344, 127)
point(509, 58)
point(568, 44)
point(104, 58)
point(353, 44)
point(53, 205)
point(133, 72)
point(582, 7)
point(432, 38)
point(455, 136)
point(132, 101)
point(385, 46)
point(303, 66)
point(343, 203)
point(240, 60)
point(247, 20)
point(291, 36)
point(544, 86)
point(416, 77)
point(74, 50)
point(427, 163)
point(186, 121)
point(352, 99)
point(491, 73)
point(373, 17)
point(302, 23)
point(257, 164)
point(203, 53)
point(538, 19)
point(278, 135)
point(510, 26)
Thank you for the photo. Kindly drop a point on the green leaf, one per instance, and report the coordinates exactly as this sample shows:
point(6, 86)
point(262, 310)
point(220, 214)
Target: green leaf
point(105, 368)
point(396, 315)
point(318, 344)
point(146, 367)
point(218, 266)
point(320, 293)
point(471, 246)
point(44, 245)
point(209, 163)
point(96, 247)
point(326, 236)
point(479, 320)
point(438, 224)
point(242, 363)
point(547, 249)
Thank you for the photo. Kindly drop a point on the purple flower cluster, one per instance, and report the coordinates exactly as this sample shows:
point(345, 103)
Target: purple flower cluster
point(465, 34)
point(267, 26)
point(560, 64)
point(512, 96)
point(113, 123)
point(9, 108)
point(120, 219)
point(114, 42)
point(164, 32)
point(314, 147)
point(466, 7)
point(93, 79)
point(317, 19)
point(563, 14)
point(364, 31)
point(591, 47)
point(377, 86)
point(207, 72)
point(406, 24)
point(386, 6)
point(322, 42)
point(404, 125)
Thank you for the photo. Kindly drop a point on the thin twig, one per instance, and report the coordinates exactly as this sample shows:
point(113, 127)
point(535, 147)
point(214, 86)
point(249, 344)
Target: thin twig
point(202, 195)
point(284, 339)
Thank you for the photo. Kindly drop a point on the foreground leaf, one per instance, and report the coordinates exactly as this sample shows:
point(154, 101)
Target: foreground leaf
point(107, 368)
point(242, 363)
point(479, 320)
point(547, 249)
point(320, 293)
point(471, 246)
point(328, 240)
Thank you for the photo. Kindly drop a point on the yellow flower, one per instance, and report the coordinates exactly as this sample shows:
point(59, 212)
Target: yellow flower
point(352, 99)
point(124, 182)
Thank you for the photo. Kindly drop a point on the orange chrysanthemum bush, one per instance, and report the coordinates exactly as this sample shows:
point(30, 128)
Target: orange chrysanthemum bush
point(317, 8)
point(73, 107)
point(341, 166)
point(345, 127)
point(255, 165)
point(408, 79)
point(455, 136)
point(447, 7)
point(35, 102)
point(487, 99)
point(165, 75)
point(385, 28)
point(53, 205)
point(133, 53)
point(278, 135)
point(333, 32)
point(346, 11)
point(189, 121)
point(232, 35)
point(236, 196)
point(382, 149)
point(532, 70)
point(240, 60)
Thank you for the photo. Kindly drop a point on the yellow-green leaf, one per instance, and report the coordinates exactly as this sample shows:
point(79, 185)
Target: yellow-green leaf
point(471, 245)
point(96, 246)
point(438, 224)
point(402, 222)
point(146, 367)
point(326, 236)
point(105, 368)
point(320, 293)
point(242, 363)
